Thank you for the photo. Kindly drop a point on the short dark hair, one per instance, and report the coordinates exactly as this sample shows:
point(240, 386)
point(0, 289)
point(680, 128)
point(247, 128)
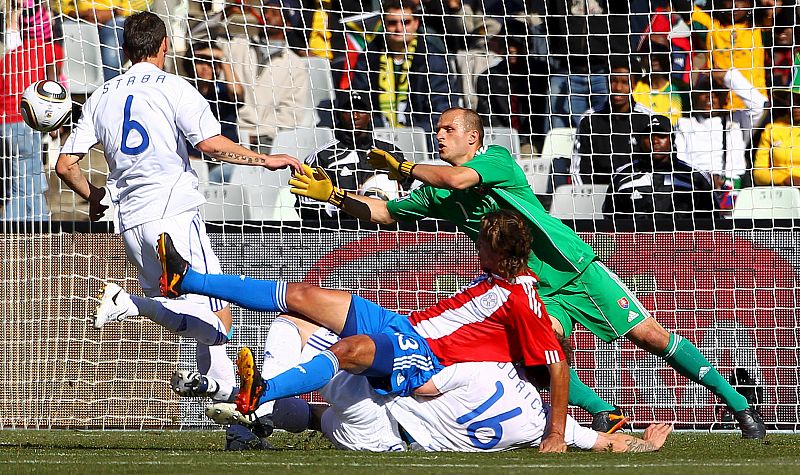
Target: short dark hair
point(398, 5)
point(509, 236)
point(472, 120)
point(626, 62)
point(142, 36)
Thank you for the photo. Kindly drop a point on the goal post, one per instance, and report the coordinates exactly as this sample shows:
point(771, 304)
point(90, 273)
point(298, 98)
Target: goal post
point(284, 77)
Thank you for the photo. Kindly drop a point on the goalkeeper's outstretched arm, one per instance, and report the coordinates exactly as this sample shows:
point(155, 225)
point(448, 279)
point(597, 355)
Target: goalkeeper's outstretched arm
point(317, 185)
point(438, 176)
point(366, 208)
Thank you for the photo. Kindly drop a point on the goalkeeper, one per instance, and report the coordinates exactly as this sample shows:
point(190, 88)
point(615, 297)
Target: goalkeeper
point(574, 285)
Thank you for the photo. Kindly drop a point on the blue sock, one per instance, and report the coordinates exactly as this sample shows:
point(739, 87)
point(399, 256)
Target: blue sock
point(302, 378)
point(252, 294)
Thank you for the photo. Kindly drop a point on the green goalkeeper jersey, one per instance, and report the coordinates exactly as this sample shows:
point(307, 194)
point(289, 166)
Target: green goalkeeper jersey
point(557, 254)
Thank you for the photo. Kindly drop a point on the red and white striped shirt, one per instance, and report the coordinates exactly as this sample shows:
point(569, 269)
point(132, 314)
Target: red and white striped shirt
point(491, 320)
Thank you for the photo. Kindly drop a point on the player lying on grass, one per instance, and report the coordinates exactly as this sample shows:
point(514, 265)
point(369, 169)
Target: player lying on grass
point(573, 283)
point(483, 407)
point(499, 317)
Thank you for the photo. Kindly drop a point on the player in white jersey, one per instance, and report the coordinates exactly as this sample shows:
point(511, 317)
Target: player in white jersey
point(483, 407)
point(143, 119)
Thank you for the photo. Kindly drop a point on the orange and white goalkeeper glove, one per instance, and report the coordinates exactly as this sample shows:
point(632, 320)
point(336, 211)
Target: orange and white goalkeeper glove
point(317, 185)
point(399, 169)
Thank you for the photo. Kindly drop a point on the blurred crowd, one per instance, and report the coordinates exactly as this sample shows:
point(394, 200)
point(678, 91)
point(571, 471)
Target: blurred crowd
point(722, 73)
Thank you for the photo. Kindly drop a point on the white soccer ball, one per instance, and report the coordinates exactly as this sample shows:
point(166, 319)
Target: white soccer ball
point(380, 187)
point(45, 106)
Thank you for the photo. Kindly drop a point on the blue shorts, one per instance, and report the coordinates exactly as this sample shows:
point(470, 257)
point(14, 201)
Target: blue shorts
point(403, 360)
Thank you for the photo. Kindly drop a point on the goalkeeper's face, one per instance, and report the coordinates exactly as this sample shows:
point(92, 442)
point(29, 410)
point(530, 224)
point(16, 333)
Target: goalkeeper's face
point(457, 143)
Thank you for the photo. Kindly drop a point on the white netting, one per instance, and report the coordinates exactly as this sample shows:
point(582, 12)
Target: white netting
point(283, 76)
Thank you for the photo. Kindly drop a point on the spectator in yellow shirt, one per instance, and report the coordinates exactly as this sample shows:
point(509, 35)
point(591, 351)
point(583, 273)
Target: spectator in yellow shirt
point(655, 91)
point(777, 158)
point(735, 40)
point(108, 15)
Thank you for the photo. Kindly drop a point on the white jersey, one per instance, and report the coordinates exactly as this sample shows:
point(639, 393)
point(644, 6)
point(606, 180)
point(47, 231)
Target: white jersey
point(356, 418)
point(143, 119)
point(486, 407)
point(483, 407)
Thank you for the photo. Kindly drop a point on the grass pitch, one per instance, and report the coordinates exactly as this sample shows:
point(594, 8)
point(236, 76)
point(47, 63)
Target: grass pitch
point(200, 452)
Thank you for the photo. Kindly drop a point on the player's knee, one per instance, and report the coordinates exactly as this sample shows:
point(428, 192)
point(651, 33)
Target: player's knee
point(299, 292)
point(649, 335)
point(354, 353)
point(346, 352)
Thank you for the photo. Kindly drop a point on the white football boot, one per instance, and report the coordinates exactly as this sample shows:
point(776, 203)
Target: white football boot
point(224, 413)
point(115, 305)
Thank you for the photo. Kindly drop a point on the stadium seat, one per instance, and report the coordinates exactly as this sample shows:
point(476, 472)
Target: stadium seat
point(84, 65)
point(471, 65)
point(505, 136)
point(578, 202)
point(558, 143)
point(223, 203)
point(201, 168)
point(538, 171)
point(265, 194)
point(300, 143)
point(410, 140)
point(319, 72)
point(767, 202)
point(557, 149)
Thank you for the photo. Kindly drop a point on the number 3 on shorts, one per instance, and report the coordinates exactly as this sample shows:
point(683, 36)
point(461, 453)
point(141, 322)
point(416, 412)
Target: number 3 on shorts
point(406, 343)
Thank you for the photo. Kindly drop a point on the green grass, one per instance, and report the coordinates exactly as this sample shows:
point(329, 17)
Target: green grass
point(200, 452)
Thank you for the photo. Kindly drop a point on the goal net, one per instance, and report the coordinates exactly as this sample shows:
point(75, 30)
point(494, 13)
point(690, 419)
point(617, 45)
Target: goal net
point(701, 226)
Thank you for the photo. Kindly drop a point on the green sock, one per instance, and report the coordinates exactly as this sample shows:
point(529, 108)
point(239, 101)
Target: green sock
point(687, 360)
point(583, 396)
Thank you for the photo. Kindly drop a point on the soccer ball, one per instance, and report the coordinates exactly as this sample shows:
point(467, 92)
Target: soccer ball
point(380, 187)
point(45, 106)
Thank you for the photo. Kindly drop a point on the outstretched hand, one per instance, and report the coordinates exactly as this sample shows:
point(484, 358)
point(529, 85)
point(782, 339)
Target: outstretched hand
point(399, 169)
point(553, 443)
point(317, 185)
point(657, 434)
point(281, 160)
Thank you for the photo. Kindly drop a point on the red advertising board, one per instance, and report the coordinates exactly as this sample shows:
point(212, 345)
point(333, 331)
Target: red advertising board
point(737, 300)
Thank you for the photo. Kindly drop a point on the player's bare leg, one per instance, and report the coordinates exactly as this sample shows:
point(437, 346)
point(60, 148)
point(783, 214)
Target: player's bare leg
point(653, 439)
point(687, 360)
point(353, 354)
point(324, 307)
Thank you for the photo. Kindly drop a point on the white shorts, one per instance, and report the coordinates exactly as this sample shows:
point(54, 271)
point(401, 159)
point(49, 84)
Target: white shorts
point(357, 419)
point(188, 233)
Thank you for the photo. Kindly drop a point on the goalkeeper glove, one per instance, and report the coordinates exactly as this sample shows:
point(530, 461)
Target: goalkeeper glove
point(317, 185)
point(399, 169)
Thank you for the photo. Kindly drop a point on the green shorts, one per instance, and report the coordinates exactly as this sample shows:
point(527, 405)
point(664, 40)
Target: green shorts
point(599, 301)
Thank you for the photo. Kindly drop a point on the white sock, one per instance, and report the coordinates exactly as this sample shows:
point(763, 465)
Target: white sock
point(282, 349)
point(184, 318)
point(213, 361)
point(319, 341)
